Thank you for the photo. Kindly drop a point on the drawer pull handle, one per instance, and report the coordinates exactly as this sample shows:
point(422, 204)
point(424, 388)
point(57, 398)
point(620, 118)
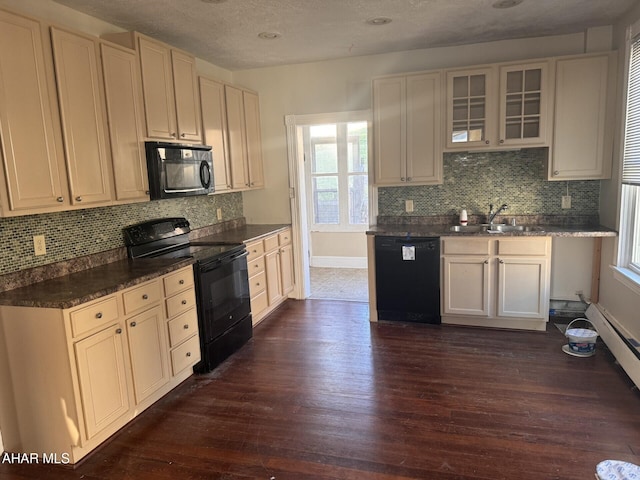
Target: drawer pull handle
point(145, 297)
point(119, 331)
point(181, 282)
point(99, 315)
point(257, 284)
point(78, 198)
point(133, 324)
point(184, 302)
point(186, 326)
point(188, 354)
point(60, 199)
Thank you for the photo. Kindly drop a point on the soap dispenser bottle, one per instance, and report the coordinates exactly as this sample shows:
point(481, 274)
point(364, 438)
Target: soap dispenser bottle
point(463, 217)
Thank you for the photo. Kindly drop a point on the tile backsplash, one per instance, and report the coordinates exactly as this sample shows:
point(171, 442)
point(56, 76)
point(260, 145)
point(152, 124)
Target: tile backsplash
point(76, 233)
point(475, 180)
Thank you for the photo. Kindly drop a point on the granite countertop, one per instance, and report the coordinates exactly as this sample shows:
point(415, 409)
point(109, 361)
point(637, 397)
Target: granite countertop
point(403, 230)
point(76, 288)
point(243, 234)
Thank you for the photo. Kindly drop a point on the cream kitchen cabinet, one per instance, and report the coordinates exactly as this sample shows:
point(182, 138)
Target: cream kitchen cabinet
point(502, 105)
point(245, 141)
point(82, 373)
point(582, 146)
point(123, 96)
point(214, 130)
point(34, 168)
point(406, 128)
point(501, 283)
point(169, 85)
point(270, 268)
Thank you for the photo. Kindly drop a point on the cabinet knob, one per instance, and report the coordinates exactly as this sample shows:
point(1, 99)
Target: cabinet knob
point(402, 179)
point(184, 302)
point(486, 262)
point(247, 185)
point(99, 315)
point(186, 326)
point(60, 199)
point(181, 282)
point(252, 184)
point(487, 142)
point(147, 192)
point(173, 134)
point(78, 198)
point(188, 354)
point(133, 324)
point(145, 297)
point(409, 179)
point(119, 331)
point(182, 135)
point(556, 172)
point(501, 261)
point(501, 141)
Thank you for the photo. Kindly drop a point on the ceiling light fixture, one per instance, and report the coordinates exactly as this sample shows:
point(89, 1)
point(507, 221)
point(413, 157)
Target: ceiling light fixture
point(269, 35)
point(379, 21)
point(506, 3)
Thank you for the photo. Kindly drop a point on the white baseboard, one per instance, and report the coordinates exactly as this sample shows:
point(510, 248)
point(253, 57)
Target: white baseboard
point(604, 323)
point(339, 262)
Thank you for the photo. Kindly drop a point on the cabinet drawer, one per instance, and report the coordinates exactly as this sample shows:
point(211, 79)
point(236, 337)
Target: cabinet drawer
point(182, 327)
point(140, 297)
point(178, 281)
point(94, 315)
point(523, 246)
point(255, 249)
point(257, 283)
point(255, 266)
point(185, 355)
point(465, 246)
point(259, 303)
point(284, 238)
point(271, 243)
point(180, 303)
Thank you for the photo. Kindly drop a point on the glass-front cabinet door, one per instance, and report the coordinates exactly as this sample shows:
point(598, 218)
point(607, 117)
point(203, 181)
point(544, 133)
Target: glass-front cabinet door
point(523, 104)
point(470, 108)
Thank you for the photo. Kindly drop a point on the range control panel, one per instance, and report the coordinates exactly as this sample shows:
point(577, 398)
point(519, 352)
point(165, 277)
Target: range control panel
point(153, 230)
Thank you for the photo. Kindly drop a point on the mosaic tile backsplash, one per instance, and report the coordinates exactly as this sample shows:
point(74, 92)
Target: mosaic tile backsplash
point(474, 180)
point(83, 232)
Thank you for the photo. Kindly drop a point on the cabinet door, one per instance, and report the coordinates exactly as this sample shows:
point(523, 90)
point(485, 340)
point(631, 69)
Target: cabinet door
point(83, 117)
point(470, 108)
point(389, 130)
point(424, 153)
point(274, 277)
point(148, 345)
point(522, 287)
point(214, 129)
point(102, 368)
point(286, 268)
point(253, 138)
point(523, 104)
point(466, 287)
point(157, 85)
point(582, 146)
point(237, 137)
point(186, 97)
point(124, 111)
point(31, 141)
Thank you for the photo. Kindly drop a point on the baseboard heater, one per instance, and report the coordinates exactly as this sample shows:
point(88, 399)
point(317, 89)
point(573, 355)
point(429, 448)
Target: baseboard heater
point(626, 349)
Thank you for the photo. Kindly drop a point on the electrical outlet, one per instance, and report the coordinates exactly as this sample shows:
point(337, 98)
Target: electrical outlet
point(219, 213)
point(566, 201)
point(39, 245)
point(408, 206)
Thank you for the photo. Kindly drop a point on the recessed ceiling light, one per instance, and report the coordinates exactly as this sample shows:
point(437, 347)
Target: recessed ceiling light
point(379, 21)
point(269, 35)
point(506, 3)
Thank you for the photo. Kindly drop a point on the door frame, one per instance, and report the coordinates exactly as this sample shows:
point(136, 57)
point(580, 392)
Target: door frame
point(297, 187)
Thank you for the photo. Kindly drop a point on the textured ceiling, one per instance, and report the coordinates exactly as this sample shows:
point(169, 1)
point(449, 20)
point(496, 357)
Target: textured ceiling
point(226, 33)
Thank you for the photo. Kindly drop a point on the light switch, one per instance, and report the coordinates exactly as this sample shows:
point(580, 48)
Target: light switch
point(408, 206)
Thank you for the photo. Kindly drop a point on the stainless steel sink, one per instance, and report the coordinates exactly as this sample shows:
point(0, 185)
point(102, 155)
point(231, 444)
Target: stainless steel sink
point(469, 228)
point(496, 227)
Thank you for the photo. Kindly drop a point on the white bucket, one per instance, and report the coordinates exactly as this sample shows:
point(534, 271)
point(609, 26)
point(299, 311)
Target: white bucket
point(617, 470)
point(582, 341)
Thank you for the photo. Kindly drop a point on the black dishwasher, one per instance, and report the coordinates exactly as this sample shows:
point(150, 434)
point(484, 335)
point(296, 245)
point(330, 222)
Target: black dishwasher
point(408, 279)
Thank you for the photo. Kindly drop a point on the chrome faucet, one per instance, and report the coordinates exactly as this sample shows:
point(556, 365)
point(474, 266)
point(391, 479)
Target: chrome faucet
point(492, 214)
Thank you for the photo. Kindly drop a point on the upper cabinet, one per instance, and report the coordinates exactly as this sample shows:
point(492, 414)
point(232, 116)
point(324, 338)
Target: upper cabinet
point(30, 137)
point(245, 143)
point(406, 122)
point(171, 104)
point(498, 106)
point(583, 118)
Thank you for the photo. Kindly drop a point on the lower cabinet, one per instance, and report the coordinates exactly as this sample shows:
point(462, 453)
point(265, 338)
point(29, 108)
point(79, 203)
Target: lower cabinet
point(270, 264)
point(501, 283)
point(78, 375)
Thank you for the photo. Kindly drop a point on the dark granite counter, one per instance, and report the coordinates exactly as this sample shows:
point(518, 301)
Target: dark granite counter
point(76, 288)
point(245, 233)
point(414, 230)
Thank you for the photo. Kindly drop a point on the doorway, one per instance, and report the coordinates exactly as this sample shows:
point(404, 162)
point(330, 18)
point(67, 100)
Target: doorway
point(331, 203)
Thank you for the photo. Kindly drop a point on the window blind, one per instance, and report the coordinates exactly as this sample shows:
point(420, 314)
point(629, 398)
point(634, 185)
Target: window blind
point(631, 159)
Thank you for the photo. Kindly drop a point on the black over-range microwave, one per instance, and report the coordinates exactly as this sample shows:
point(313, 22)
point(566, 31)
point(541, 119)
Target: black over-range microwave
point(177, 170)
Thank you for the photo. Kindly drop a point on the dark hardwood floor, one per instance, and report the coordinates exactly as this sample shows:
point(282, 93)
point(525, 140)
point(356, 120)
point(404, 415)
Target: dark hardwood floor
point(320, 393)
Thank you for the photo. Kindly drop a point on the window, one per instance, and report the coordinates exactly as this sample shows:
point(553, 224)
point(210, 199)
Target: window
point(336, 163)
point(629, 251)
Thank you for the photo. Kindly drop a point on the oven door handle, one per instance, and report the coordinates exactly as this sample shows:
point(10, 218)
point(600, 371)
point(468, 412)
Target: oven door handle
point(208, 266)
